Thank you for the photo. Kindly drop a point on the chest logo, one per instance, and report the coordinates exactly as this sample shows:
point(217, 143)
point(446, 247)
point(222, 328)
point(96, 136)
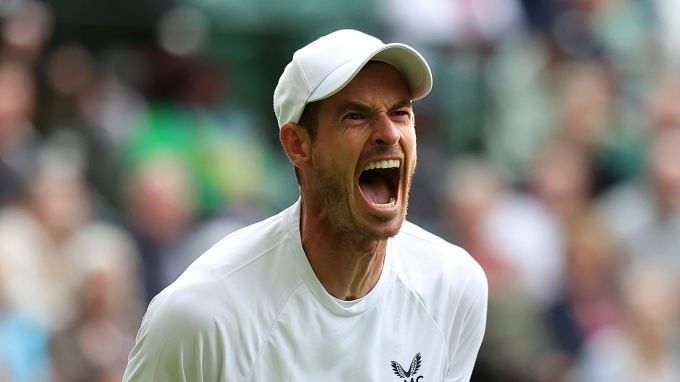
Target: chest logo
point(412, 370)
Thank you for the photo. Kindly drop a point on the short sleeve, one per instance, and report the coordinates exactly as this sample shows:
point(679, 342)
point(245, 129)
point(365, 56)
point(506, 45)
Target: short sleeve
point(468, 336)
point(177, 341)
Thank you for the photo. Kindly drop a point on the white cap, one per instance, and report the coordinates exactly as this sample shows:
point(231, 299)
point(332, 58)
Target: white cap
point(328, 64)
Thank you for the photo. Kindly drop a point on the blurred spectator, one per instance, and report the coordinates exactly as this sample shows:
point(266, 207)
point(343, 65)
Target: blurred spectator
point(473, 190)
point(585, 102)
point(39, 276)
point(515, 227)
point(111, 109)
point(161, 207)
point(644, 346)
point(17, 136)
point(23, 348)
point(588, 302)
point(109, 113)
point(561, 179)
point(71, 73)
point(94, 347)
point(90, 96)
point(478, 205)
point(644, 216)
point(160, 201)
point(525, 234)
point(26, 29)
point(230, 164)
point(591, 117)
point(520, 117)
point(453, 23)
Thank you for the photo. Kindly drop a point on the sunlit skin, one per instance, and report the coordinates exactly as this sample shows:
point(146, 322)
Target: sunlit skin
point(344, 236)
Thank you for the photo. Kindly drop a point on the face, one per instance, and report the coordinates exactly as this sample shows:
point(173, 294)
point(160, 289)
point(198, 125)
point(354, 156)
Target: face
point(665, 172)
point(364, 155)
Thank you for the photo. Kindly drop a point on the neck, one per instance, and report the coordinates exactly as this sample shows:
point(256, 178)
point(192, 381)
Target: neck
point(347, 264)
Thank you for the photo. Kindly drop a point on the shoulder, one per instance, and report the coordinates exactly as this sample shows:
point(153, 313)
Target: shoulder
point(423, 254)
point(221, 307)
point(246, 244)
point(250, 266)
point(447, 280)
point(186, 310)
point(253, 265)
point(197, 328)
point(183, 334)
point(451, 287)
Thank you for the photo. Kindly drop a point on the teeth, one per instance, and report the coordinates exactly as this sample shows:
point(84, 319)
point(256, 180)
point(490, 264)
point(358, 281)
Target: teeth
point(389, 204)
point(389, 163)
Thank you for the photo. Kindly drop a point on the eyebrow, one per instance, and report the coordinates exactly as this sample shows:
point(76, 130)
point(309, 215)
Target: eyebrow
point(364, 108)
point(355, 105)
point(402, 103)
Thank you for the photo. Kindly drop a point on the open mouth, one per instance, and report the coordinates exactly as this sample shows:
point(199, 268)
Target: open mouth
point(379, 182)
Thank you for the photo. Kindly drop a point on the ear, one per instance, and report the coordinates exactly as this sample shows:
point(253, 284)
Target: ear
point(297, 144)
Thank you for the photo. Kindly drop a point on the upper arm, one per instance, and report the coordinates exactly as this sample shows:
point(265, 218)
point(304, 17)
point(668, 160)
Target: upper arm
point(177, 341)
point(469, 328)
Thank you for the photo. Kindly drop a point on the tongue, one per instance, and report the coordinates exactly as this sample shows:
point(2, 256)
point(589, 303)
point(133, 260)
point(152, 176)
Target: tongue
point(376, 189)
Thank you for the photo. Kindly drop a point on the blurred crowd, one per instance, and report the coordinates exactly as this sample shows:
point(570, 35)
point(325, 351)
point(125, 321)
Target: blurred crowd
point(549, 149)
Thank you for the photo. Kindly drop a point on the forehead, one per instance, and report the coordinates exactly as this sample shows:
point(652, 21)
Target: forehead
point(377, 82)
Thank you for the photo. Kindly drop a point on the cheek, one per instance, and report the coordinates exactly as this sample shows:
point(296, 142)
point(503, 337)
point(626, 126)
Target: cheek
point(410, 147)
point(344, 151)
point(333, 161)
point(408, 135)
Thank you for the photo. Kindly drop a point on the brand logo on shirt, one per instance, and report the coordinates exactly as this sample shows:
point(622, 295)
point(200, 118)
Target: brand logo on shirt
point(412, 370)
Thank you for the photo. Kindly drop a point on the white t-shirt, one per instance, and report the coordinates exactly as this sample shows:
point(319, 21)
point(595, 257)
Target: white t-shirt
point(252, 309)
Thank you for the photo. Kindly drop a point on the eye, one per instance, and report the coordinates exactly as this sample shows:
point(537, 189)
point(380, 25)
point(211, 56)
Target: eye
point(353, 116)
point(402, 113)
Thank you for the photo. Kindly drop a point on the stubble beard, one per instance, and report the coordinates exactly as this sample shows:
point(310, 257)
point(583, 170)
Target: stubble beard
point(336, 215)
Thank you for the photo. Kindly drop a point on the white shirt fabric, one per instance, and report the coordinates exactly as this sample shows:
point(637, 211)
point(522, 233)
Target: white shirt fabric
point(252, 309)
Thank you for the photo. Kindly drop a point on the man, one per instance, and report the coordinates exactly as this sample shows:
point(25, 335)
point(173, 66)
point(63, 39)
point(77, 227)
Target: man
point(337, 287)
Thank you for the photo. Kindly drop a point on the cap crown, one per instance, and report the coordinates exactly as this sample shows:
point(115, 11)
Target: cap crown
point(326, 65)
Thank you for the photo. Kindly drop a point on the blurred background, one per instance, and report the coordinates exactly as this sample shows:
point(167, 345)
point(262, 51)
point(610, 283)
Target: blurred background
point(135, 134)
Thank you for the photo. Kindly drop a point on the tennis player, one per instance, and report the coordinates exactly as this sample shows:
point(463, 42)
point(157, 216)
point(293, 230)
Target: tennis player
point(338, 287)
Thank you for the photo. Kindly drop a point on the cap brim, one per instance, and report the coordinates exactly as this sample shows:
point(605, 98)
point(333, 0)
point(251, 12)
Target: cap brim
point(407, 60)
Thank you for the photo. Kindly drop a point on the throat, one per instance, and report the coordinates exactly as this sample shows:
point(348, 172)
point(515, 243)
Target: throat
point(379, 186)
point(347, 264)
point(346, 273)
point(376, 190)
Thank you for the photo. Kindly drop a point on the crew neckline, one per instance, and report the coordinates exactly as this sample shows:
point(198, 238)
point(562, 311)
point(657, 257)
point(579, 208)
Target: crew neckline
point(343, 308)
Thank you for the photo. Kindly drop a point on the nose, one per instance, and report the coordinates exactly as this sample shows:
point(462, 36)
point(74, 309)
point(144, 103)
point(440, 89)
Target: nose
point(385, 132)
